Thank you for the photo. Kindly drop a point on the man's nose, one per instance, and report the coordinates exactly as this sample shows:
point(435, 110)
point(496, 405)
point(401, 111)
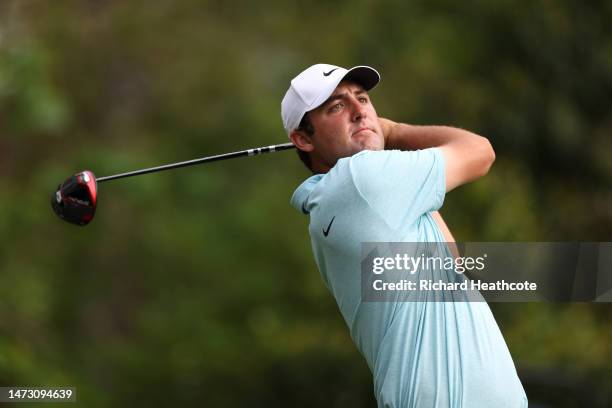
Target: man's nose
point(358, 111)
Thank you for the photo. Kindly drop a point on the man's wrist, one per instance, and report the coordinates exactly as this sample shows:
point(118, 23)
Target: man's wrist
point(387, 129)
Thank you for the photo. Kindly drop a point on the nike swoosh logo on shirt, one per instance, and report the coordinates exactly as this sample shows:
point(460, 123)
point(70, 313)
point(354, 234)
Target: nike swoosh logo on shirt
point(326, 233)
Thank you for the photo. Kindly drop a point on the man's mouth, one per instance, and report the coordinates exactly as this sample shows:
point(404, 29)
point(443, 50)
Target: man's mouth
point(358, 131)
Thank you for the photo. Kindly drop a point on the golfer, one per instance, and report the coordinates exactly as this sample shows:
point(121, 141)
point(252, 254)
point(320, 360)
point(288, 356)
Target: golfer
point(375, 180)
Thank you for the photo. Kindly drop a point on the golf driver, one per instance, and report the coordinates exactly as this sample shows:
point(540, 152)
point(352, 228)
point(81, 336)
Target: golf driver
point(75, 199)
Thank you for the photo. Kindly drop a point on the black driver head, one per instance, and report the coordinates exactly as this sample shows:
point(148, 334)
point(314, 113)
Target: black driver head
point(75, 199)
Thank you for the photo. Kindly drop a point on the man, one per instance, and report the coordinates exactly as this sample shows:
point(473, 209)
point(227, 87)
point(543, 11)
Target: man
point(421, 354)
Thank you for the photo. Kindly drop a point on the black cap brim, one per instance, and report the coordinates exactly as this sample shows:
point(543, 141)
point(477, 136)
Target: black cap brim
point(363, 75)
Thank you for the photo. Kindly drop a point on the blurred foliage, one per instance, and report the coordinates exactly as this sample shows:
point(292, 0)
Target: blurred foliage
point(197, 287)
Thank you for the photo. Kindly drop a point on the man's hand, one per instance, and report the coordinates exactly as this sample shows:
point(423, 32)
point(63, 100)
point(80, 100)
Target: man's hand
point(467, 155)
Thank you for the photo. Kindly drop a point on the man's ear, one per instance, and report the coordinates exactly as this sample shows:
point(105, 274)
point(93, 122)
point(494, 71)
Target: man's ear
point(301, 140)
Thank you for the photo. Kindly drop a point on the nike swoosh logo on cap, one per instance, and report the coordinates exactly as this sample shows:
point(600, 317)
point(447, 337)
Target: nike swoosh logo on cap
point(329, 73)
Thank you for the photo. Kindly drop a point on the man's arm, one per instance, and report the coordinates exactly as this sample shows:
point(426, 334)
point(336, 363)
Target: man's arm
point(467, 155)
point(448, 236)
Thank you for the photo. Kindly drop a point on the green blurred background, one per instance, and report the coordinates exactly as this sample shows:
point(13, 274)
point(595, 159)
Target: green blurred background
point(197, 287)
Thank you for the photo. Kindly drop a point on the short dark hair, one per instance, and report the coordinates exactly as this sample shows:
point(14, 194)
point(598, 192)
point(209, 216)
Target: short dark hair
point(306, 126)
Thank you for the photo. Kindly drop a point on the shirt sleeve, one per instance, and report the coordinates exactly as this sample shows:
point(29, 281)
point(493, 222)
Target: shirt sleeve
point(400, 185)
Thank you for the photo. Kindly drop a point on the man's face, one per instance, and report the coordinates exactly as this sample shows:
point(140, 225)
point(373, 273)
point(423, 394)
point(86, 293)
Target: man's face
point(345, 124)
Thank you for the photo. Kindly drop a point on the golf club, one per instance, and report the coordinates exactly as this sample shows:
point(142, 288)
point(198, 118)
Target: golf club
point(75, 199)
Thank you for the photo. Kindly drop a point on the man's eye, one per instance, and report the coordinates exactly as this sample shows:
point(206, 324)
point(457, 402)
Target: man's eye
point(363, 99)
point(336, 107)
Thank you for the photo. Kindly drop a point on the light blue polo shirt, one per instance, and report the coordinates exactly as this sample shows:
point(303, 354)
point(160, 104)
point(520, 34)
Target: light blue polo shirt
point(421, 354)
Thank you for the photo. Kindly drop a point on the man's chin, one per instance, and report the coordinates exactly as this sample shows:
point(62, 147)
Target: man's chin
point(374, 147)
point(370, 145)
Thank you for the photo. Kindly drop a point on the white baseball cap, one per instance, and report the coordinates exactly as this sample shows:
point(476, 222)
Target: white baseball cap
point(315, 84)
